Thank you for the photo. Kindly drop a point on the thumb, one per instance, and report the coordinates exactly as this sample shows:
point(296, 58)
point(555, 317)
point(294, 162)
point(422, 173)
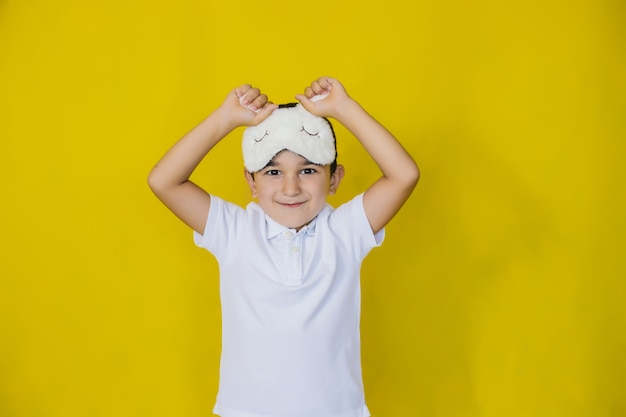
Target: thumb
point(311, 105)
point(304, 100)
point(265, 112)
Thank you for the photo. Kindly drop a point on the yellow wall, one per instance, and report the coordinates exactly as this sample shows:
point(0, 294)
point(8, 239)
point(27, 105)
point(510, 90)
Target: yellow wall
point(499, 290)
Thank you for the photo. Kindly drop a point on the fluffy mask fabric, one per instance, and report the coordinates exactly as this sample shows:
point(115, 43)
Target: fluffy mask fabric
point(291, 128)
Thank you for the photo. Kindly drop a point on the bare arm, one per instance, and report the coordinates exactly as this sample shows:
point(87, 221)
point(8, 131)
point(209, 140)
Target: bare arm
point(169, 179)
point(383, 199)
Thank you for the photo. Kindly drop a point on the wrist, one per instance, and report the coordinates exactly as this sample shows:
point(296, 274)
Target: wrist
point(224, 120)
point(347, 110)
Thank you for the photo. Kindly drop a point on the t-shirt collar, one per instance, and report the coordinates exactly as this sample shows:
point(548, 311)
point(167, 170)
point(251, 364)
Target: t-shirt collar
point(273, 228)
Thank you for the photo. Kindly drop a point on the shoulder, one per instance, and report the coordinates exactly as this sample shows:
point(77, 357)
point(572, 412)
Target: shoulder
point(348, 214)
point(349, 223)
point(225, 223)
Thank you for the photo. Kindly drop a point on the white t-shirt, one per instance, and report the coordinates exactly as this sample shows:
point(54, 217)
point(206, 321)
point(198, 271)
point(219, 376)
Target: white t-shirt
point(290, 311)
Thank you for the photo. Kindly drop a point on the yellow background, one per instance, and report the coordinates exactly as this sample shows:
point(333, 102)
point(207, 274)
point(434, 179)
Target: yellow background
point(500, 289)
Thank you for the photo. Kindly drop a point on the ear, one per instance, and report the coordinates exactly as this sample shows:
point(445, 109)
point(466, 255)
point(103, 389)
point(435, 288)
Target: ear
point(251, 183)
point(335, 179)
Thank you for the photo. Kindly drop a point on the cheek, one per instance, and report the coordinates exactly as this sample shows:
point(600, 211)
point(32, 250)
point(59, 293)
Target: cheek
point(264, 189)
point(323, 187)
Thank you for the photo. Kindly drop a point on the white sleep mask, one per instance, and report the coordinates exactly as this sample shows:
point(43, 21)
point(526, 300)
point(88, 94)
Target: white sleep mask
point(293, 128)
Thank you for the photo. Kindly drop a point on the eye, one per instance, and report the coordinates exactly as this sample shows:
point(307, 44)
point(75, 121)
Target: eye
point(272, 172)
point(309, 133)
point(262, 137)
point(308, 171)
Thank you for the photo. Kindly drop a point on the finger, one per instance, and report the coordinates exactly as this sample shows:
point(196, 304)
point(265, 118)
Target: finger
point(317, 88)
point(326, 83)
point(309, 92)
point(242, 90)
point(305, 101)
point(323, 87)
point(302, 98)
point(249, 96)
point(265, 112)
point(258, 103)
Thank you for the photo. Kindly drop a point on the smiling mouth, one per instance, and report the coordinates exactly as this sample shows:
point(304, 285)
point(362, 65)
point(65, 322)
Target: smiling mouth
point(291, 205)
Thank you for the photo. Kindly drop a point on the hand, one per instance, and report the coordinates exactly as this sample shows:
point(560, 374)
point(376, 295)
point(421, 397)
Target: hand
point(248, 106)
point(324, 97)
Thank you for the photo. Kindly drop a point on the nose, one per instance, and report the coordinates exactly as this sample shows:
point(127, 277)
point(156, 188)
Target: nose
point(291, 185)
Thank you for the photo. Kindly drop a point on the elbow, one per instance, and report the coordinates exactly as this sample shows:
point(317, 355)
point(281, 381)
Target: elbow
point(413, 176)
point(154, 181)
point(161, 182)
point(416, 174)
point(406, 177)
point(151, 179)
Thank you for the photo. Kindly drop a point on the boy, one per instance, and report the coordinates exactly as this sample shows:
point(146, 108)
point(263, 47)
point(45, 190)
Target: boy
point(289, 265)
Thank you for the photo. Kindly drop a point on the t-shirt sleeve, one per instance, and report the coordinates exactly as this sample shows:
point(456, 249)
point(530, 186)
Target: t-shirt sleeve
point(350, 222)
point(223, 223)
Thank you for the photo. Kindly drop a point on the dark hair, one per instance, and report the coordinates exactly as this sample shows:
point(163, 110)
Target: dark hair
point(333, 165)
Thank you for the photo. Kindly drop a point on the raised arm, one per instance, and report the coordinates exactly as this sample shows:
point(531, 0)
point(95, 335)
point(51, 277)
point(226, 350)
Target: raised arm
point(383, 199)
point(169, 179)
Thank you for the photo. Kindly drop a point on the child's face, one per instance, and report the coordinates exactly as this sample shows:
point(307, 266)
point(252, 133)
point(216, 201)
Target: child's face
point(292, 190)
